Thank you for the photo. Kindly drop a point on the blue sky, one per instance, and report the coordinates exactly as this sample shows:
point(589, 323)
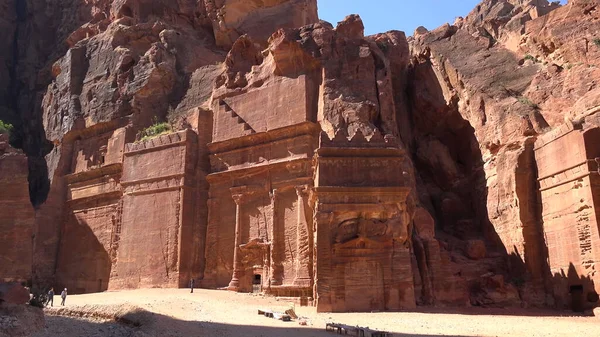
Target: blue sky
point(383, 15)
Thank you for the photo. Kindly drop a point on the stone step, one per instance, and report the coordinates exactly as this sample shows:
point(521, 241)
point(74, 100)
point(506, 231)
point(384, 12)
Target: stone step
point(247, 129)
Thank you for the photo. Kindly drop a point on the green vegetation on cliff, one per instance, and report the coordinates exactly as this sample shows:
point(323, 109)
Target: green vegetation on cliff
point(154, 130)
point(5, 128)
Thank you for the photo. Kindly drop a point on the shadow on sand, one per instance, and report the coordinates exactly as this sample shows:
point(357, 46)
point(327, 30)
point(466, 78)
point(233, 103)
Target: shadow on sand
point(479, 311)
point(147, 324)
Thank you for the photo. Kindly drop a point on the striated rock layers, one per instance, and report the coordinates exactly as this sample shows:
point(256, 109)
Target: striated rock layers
point(454, 167)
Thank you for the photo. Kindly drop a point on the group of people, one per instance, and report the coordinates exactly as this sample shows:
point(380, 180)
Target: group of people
point(50, 301)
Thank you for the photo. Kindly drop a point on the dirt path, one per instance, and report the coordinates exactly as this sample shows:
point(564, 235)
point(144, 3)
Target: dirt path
point(176, 312)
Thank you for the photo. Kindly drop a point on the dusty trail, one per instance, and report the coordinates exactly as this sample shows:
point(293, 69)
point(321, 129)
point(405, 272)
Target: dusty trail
point(176, 312)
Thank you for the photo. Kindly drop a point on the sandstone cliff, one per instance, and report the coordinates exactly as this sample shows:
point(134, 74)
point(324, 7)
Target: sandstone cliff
point(73, 65)
point(468, 101)
point(484, 89)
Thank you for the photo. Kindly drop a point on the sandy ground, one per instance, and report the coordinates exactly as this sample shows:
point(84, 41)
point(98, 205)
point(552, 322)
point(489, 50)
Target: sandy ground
point(176, 312)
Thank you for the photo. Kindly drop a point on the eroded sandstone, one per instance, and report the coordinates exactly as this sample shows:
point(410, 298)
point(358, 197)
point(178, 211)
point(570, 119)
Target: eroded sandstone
point(17, 216)
point(307, 161)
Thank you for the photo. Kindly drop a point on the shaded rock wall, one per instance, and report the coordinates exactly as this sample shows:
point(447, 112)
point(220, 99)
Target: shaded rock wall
point(477, 117)
point(8, 24)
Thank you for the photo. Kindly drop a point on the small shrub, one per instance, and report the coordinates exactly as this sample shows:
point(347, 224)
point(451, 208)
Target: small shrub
point(154, 130)
point(532, 58)
point(5, 128)
point(597, 42)
point(524, 100)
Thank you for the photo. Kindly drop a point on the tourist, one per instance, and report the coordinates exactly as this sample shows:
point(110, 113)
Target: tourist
point(192, 285)
point(50, 297)
point(63, 295)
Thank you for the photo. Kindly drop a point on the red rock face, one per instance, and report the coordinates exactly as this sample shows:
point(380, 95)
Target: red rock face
point(17, 216)
point(13, 293)
point(307, 161)
point(103, 244)
point(162, 250)
point(258, 19)
point(501, 70)
point(567, 163)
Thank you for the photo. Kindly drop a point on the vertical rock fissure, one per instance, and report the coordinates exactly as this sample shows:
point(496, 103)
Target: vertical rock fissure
point(20, 7)
point(379, 120)
point(28, 134)
point(530, 212)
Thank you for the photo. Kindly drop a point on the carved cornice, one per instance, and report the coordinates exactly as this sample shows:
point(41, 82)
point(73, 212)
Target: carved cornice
point(152, 180)
point(292, 183)
point(161, 184)
point(238, 198)
point(113, 169)
point(359, 195)
point(108, 197)
point(96, 130)
point(554, 135)
point(359, 140)
point(359, 146)
point(570, 174)
point(102, 187)
point(302, 190)
point(256, 170)
point(306, 128)
point(158, 143)
point(243, 194)
point(363, 190)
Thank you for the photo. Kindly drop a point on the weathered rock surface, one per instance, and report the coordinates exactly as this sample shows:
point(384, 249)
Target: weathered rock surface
point(17, 216)
point(259, 19)
point(479, 71)
point(13, 293)
point(437, 135)
point(475, 249)
point(20, 320)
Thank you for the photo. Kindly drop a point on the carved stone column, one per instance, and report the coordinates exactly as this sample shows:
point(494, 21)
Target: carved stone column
point(276, 268)
point(303, 264)
point(237, 265)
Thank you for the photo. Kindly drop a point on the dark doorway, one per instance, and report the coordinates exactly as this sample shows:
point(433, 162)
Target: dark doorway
point(257, 283)
point(576, 292)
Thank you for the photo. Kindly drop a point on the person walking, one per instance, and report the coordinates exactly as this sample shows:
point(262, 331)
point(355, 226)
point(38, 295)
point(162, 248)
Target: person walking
point(63, 295)
point(192, 285)
point(50, 297)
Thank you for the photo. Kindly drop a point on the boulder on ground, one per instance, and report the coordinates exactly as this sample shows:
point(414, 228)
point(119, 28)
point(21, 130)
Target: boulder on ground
point(13, 293)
